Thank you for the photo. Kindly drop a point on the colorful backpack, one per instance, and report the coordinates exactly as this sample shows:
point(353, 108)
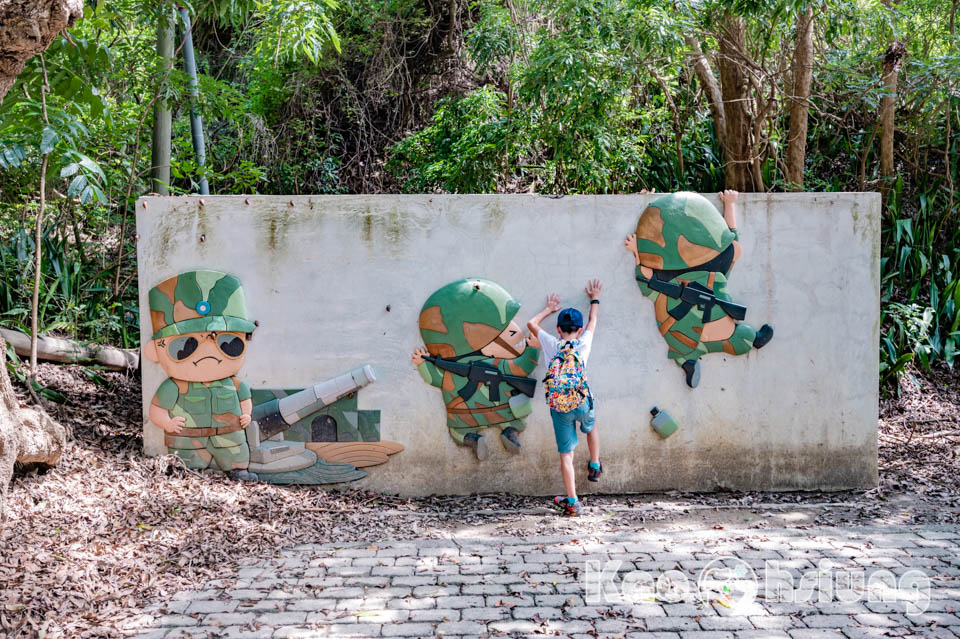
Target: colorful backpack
point(566, 383)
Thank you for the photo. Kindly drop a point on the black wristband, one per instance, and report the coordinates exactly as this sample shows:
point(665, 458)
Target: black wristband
point(594, 301)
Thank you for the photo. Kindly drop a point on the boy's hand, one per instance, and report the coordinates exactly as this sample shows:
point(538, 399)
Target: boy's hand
point(728, 197)
point(418, 355)
point(554, 303)
point(593, 289)
point(245, 420)
point(533, 341)
point(645, 191)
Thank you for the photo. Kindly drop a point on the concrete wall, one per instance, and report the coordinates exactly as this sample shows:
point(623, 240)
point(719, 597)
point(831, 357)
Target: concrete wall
point(320, 273)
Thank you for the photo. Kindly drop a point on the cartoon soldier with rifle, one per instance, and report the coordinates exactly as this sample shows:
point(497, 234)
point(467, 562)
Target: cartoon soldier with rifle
point(478, 355)
point(684, 251)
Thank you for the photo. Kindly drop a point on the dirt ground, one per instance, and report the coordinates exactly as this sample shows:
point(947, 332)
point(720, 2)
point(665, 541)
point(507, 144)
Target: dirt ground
point(110, 531)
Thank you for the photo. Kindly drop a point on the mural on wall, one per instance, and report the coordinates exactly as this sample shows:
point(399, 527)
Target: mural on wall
point(684, 250)
point(211, 419)
point(479, 357)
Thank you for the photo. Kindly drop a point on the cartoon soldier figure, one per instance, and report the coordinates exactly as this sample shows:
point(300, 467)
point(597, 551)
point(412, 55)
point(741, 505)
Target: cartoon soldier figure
point(200, 329)
point(684, 251)
point(480, 358)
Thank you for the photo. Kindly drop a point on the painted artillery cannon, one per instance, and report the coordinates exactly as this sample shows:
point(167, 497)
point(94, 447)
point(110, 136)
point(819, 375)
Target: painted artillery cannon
point(279, 414)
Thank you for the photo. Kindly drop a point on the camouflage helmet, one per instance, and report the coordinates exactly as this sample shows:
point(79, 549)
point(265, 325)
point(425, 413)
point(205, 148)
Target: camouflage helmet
point(464, 316)
point(198, 301)
point(681, 230)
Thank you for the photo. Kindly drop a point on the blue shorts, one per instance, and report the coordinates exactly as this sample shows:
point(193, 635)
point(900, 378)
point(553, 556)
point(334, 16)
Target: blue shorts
point(565, 425)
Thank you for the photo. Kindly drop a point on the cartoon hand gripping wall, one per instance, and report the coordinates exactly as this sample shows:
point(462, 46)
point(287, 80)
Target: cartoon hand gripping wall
point(478, 356)
point(684, 250)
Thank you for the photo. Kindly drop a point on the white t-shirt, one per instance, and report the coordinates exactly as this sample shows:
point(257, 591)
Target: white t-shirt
point(551, 344)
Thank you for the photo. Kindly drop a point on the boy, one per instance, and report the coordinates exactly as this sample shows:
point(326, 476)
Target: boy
point(568, 395)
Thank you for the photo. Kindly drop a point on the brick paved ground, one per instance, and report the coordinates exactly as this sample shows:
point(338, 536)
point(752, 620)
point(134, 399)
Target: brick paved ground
point(535, 586)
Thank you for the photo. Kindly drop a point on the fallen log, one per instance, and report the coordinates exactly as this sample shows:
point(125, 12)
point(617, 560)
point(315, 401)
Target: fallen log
point(58, 349)
point(28, 436)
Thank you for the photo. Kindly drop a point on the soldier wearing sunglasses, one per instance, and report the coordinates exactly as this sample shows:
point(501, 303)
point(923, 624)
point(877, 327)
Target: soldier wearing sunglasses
point(200, 337)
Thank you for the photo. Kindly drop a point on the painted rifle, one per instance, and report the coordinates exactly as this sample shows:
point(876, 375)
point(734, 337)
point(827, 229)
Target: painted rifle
point(479, 373)
point(693, 294)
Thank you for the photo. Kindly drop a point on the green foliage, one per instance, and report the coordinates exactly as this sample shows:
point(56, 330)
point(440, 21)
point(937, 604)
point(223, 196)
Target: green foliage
point(921, 284)
point(558, 96)
point(466, 147)
point(75, 292)
point(297, 28)
point(580, 112)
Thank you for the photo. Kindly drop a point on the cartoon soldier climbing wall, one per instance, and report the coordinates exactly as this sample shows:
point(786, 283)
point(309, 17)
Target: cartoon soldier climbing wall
point(480, 358)
point(684, 251)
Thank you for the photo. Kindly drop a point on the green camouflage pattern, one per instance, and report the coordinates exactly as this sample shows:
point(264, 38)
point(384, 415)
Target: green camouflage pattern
point(198, 301)
point(481, 412)
point(458, 320)
point(472, 300)
point(681, 230)
point(227, 458)
point(683, 336)
point(212, 405)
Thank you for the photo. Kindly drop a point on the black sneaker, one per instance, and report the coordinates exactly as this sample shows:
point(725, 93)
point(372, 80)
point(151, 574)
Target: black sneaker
point(764, 335)
point(593, 474)
point(509, 438)
point(566, 508)
point(692, 370)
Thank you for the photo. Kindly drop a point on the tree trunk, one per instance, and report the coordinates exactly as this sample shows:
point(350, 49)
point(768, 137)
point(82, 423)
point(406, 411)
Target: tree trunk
point(800, 100)
point(27, 435)
point(888, 106)
point(162, 115)
point(58, 349)
point(735, 87)
point(677, 128)
point(27, 27)
point(704, 73)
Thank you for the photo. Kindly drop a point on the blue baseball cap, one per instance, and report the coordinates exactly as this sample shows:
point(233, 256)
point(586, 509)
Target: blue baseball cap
point(570, 317)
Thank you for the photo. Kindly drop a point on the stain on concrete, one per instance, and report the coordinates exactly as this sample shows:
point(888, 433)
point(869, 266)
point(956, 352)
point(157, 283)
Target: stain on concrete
point(272, 224)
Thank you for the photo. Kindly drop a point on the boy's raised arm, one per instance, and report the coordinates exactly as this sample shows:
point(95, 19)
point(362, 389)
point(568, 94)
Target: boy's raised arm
point(551, 307)
point(594, 287)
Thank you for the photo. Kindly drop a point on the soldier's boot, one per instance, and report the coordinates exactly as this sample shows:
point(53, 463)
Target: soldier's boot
point(509, 438)
point(691, 368)
point(241, 474)
point(744, 338)
point(764, 335)
point(477, 443)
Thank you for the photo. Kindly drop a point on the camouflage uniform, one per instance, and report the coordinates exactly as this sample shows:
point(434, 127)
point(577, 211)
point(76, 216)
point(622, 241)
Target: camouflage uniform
point(201, 301)
point(456, 322)
point(685, 240)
